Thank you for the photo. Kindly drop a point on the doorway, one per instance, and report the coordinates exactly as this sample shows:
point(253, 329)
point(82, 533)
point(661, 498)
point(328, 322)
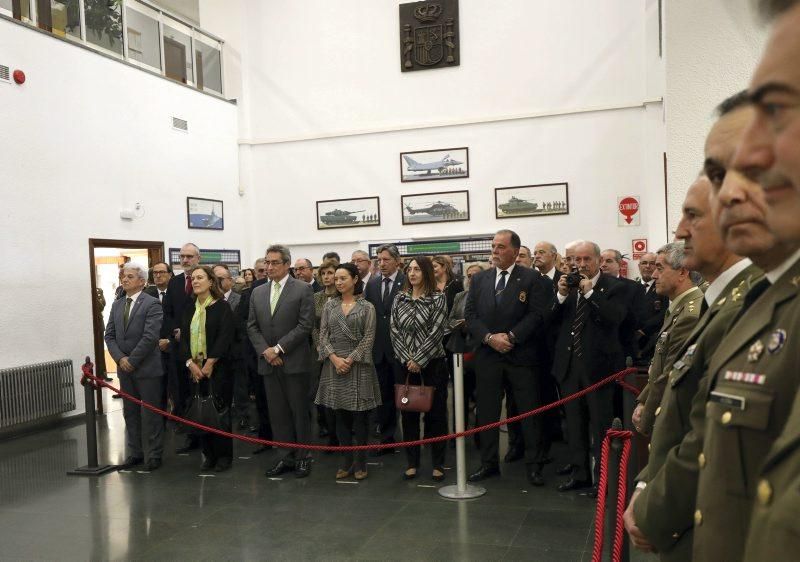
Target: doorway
point(105, 258)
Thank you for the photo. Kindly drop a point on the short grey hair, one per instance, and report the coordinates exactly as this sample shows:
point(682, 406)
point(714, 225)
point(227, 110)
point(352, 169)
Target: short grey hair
point(595, 247)
point(286, 255)
point(141, 272)
point(391, 248)
point(258, 261)
point(548, 245)
point(673, 253)
point(361, 252)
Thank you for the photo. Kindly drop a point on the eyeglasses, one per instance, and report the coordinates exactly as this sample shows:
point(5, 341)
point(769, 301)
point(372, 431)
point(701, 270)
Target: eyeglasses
point(273, 262)
point(301, 268)
point(160, 272)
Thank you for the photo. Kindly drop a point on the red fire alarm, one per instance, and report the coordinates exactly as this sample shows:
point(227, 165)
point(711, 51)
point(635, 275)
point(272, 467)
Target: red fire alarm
point(19, 77)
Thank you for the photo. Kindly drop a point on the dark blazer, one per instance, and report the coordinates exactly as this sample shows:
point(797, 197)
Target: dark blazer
point(382, 348)
point(139, 340)
point(655, 307)
point(220, 330)
point(633, 293)
point(174, 302)
point(316, 287)
point(521, 310)
point(290, 326)
point(602, 350)
point(153, 291)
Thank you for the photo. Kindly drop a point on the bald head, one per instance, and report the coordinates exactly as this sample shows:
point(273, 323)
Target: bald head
point(544, 256)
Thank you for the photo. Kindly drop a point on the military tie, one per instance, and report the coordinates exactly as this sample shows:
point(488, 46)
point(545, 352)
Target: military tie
point(577, 326)
point(387, 291)
point(127, 312)
point(501, 285)
point(276, 293)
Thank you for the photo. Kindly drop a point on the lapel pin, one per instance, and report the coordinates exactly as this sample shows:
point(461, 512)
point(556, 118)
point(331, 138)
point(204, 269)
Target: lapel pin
point(776, 341)
point(755, 351)
point(523, 296)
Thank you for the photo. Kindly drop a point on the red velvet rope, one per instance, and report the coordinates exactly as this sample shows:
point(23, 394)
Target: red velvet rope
point(622, 494)
point(311, 447)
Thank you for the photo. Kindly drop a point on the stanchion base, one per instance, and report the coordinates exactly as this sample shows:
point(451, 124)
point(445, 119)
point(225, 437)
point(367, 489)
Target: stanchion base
point(451, 492)
point(93, 470)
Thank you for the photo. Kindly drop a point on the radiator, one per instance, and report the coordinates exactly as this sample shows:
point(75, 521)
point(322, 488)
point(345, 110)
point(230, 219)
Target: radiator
point(35, 392)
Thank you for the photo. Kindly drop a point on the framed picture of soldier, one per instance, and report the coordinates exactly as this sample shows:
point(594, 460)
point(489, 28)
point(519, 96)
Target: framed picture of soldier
point(447, 206)
point(442, 164)
point(531, 200)
point(205, 214)
point(348, 213)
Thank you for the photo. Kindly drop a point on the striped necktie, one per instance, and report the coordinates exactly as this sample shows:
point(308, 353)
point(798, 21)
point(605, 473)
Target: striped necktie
point(577, 326)
point(276, 293)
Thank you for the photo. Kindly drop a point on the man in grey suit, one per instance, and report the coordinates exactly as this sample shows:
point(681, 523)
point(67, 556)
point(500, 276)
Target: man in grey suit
point(132, 339)
point(279, 326)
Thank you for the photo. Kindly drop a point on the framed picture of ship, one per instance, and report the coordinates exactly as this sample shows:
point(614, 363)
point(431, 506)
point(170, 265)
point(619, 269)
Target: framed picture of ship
point(531, 200)
point(442, 164)
point(205, 214)
point(446, 206)
point(348, 213)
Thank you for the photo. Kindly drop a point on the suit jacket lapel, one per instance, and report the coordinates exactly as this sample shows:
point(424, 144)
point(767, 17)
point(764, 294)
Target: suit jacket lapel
point(285, 288)
point(269, 300)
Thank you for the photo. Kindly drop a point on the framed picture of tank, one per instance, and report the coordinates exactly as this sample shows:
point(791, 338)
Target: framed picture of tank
point(443, 164)
point(347, 213)
point(445, 206)
point(205, 214)
point(531, 200)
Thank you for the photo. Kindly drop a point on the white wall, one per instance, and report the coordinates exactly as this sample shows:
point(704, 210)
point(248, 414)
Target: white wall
point(712, 48)
point(84, 137)
point(317, 72)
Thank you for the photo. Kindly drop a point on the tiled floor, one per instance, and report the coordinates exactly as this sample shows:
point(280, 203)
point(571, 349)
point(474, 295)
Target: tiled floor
point(176, 514)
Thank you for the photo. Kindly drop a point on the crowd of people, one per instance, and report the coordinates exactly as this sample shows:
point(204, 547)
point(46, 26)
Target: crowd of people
point(713, 319)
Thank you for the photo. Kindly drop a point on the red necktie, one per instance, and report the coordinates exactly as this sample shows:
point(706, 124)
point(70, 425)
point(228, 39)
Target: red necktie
point(188, 285)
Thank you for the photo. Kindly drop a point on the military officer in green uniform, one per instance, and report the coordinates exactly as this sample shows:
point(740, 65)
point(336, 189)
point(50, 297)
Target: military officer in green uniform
point(660, 515)
point(673, 281)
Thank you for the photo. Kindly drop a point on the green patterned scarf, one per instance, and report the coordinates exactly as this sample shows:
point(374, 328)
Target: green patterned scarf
point(197, 341)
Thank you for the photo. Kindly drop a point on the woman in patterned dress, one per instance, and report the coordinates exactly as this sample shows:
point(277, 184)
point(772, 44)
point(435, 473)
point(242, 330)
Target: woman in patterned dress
point(325, 416)
point(419, 316)
point(348, 383)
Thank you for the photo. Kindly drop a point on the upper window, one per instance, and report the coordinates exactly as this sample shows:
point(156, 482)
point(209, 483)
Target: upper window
point(208, 63)
point(104, 24)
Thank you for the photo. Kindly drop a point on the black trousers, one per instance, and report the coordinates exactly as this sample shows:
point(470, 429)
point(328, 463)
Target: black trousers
point(385, 415)
point(588, 419)
point(256, 382)
point(352, 429)
point(491, 374)
point(287, 396)
point(221, 383)
point(434, 374)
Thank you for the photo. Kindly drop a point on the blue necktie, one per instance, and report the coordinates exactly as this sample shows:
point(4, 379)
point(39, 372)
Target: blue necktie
point(498, 290)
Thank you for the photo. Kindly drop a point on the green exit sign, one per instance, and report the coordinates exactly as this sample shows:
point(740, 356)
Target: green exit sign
point(435, 248)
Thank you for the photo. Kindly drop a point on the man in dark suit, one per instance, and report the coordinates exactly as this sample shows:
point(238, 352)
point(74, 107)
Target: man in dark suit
point(162, 273)
point(633, 292)
point(544, 260)
point(304, 271)
point(380, 291)
point(241, 382)
point(132, 339)
point(279, 324)
point(504, 312)
point(179, 291)
point(655, 307)
point(588, 349)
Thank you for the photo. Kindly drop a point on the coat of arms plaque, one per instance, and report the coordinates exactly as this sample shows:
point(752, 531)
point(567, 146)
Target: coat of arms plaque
point(429, 35)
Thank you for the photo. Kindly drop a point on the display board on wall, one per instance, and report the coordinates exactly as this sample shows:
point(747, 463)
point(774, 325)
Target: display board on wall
point(231, 258)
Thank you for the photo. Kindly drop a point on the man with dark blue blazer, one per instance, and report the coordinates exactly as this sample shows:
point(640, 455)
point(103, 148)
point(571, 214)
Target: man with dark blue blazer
point(505, 312)
point(588, 348)
point(380, 291)
point(131, 335)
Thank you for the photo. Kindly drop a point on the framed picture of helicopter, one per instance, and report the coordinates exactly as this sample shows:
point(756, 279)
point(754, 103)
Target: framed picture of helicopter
point(444, 164)
point(531, 200)
point(445, 206)
point(347, 213)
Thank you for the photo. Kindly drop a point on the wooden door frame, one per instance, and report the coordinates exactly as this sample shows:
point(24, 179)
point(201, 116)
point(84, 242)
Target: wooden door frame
point(155, 254)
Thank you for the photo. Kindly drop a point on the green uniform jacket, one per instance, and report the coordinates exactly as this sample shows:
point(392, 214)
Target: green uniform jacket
point(664, 509)
point(753, 378)
point(678, 324)
point(775, 524)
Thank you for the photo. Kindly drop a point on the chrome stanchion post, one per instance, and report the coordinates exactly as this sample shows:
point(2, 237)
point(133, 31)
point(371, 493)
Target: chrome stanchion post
point(460, 490)
point(91, 468)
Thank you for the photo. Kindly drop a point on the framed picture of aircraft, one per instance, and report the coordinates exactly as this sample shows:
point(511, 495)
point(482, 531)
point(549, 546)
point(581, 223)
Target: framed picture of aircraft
point(205, 214)
point(445, 206)
point(346, 213)
point(444, 164)
point(531, 200)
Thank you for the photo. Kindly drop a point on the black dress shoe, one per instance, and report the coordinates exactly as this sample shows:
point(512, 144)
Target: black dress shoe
point(262, 449)
point(535, 477)
point(573, 484)
point(592, 493)
point(243, 423)
point(302, 468)
point(223, 464)
point(564, 470)
point(116, 396)
point(376, 432)
point(208, 464)
point(547, 460)
point(153, 464)
point(130, 462)
point(513, 454)
point(281, 467)
point(483, 473)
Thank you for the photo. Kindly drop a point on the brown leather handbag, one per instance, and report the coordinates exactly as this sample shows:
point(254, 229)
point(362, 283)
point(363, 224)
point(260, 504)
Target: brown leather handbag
point(412, 397)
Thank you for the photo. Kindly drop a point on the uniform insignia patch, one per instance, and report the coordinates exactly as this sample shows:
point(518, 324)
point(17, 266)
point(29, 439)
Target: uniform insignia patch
point(755, 351)
point(736, 294)
point(750, 378)
point(690, 351)
point(776, 341)
point(677, 365)
point(795, 281)
point(721, 301)
point(523, 296)
point(657, 306)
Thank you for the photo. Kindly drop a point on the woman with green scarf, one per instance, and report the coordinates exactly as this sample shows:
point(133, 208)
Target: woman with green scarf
point(207, 351)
